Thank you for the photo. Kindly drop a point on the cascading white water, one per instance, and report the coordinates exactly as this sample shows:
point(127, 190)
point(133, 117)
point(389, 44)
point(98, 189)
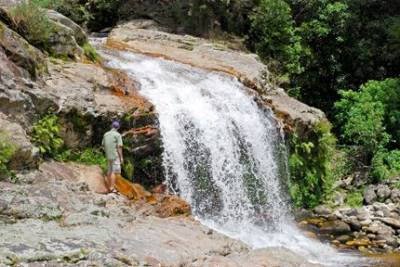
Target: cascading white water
point(221, 153)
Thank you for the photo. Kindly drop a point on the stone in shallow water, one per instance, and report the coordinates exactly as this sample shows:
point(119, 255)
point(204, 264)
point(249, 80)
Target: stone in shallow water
point(335, 227)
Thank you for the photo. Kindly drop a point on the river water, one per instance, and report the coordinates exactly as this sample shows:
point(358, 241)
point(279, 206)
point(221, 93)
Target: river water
point(224, 154)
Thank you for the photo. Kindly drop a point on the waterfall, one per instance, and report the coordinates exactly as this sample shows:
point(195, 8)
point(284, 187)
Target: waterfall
point(221, 153)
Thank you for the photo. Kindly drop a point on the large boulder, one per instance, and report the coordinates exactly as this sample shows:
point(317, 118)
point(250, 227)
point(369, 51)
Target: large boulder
point(20, 52)
point(78, 33)
point(62, 42)
point(25, 155)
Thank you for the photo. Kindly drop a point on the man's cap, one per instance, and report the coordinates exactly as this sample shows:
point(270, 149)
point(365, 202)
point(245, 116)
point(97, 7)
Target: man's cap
point(115, 124)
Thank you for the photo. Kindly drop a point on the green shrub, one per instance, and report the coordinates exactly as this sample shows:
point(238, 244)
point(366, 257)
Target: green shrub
point(89, 156)
point(45, 134)
point(33, 24)
point(354, 199)
point(128, 169)
point(310, 165)
point(91, 53)
point(385, 165)
point(370, 119)
point(7, 150)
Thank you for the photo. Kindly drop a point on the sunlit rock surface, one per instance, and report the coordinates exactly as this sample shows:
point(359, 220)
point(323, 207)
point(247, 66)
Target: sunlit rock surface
point(51, 217)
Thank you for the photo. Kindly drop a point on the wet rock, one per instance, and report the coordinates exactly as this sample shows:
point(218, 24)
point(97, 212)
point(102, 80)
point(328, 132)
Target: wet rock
point(354, 223)
point(322, 210)
point(391, 222)
point(343, 238)
point(172, 206)
point(335, 227)
point(379, 228)
point(271, 257)
point(389, 240)
point(383, 191)
point(369, 195)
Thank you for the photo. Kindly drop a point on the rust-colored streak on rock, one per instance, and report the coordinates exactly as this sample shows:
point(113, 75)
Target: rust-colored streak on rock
point(170, 206)
point(146, 131)
point(123, 86)
point(131, 190)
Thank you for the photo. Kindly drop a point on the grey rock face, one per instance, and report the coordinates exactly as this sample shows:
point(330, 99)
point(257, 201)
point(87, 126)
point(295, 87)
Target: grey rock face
point(78, 33)
point(20, 52)
point(26, 155)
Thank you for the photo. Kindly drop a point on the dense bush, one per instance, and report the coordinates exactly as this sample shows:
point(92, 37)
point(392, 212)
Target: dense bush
point(7, 150)
point(310, 165)
point(45, 134)
point(32, 23)
point(272, 35)
point(370, 119)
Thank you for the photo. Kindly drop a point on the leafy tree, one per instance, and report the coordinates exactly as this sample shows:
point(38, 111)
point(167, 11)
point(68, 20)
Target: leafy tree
point(321, 25)
point(369, 118)
point(272, 35)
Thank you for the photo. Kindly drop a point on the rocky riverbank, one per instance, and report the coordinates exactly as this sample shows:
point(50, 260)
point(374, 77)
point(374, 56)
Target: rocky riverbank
point(371, 228)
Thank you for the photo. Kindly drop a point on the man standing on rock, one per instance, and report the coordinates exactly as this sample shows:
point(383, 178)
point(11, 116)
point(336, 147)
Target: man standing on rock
point(112, 143)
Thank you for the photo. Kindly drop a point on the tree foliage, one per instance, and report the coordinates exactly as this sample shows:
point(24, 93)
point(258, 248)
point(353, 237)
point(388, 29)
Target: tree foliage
point(370, 119)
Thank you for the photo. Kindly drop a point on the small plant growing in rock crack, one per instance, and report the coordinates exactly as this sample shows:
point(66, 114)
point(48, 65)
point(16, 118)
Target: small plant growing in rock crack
point(45, 134)
point(354, 199)
point(91, 53)
point(7, 150)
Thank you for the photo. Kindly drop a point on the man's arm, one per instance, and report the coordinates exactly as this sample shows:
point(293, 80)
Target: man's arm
point(119, 149)
point(121, 156)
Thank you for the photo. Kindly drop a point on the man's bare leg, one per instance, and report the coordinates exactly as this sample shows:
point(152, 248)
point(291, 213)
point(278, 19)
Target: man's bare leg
point(112, 182)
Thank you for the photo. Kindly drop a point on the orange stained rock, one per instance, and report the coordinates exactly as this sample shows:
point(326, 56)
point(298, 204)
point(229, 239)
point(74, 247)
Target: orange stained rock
point(124, 86)
point(132, 190)
point(147, 131)
point(170, 205)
